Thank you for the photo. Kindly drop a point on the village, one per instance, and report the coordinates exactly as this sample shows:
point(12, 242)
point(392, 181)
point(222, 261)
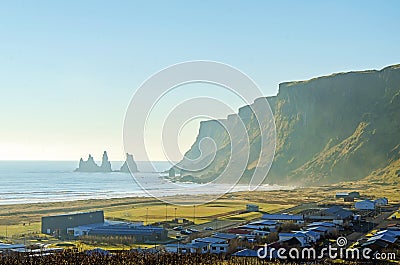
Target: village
point(361, 220)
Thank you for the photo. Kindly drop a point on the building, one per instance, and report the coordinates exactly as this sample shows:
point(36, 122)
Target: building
point(352, 194)
point(338, 213)
point(252, 208)
point(348, 199)
point(330, 226)
point(59, 224)
point(215, 245)
point(137, 231)
point(381, 201)
point(340, 195)
point(283, 217)
point(365, 205)
point(300, 237)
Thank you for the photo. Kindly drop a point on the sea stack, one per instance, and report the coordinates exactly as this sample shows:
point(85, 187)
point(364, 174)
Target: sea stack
point(129, 165)
point(105, 164)
point(90, 166)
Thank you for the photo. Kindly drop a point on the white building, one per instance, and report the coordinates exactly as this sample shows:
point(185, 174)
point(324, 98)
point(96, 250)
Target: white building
point(365, 205)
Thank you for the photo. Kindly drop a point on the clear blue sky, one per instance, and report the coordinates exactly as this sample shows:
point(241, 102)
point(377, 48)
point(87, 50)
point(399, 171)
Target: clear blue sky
point(69, 68)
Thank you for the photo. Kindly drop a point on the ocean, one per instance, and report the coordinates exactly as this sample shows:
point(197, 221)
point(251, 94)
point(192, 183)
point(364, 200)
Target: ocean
point(52, 181)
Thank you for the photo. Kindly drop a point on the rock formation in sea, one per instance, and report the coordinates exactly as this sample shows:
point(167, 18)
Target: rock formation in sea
point(129, 165)
point(90, 166)
point(105, 164)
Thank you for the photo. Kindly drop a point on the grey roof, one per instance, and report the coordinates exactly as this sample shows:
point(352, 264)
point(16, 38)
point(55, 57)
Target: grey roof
point(282, 217)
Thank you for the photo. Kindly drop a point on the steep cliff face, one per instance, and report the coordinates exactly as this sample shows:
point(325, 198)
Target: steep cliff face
point(329, 129)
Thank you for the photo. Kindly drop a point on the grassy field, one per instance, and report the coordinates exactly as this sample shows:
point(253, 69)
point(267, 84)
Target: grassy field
point(21, 220)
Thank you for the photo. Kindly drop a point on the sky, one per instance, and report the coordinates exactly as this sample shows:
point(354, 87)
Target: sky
point(68, 69)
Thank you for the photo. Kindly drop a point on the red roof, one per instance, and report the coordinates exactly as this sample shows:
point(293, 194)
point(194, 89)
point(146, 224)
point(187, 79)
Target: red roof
point(238, 231)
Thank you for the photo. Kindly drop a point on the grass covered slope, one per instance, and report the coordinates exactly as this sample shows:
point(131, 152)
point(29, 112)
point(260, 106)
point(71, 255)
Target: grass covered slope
point(329, 129)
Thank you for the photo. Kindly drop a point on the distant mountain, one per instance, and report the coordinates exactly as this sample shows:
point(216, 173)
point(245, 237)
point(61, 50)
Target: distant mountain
point(341, 127)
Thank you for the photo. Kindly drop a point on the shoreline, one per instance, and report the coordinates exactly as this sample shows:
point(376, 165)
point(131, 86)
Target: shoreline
point(142, 193)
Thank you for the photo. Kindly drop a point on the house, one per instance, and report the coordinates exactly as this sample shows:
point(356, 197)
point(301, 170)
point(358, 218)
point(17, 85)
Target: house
point(304, 237)
point(260, 232)
point(352, 194)
point(385, 238)
point(365, 205)
point(293, 238)
point(338, 213)
point(226, 236)
point(215, 245)
point(264, 224)
point(252, 208)
point(246, 253)
point(178, 248)
point(381, 201)
point(340, 195)
point(331, 227)
point(238, 232)
point(139, 232)
point(323, 231)
point(58, 224)
point(11, 247)
point(282, 217)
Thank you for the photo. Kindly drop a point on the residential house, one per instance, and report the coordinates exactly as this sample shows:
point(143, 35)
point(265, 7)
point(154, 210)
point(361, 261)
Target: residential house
point(365, 205)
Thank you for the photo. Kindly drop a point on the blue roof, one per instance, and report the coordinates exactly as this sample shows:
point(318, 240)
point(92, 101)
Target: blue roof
point(225, 236)
point(293, 234)
point(282, 217)
point(339, 212)
point(325, 224)
point(318, 228)
point(375, 242)
point(393, 233)
point(264, 222)
point(384, 237)
point(209, 240)
point(246, 253)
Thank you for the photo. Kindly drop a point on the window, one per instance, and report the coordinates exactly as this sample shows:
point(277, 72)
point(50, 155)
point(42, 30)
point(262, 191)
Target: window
point(221, 248)
point(214, 248)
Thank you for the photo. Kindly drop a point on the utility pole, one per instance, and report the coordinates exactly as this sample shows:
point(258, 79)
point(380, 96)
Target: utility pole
point(147, 216)
point(166, 212)
point(194, 214)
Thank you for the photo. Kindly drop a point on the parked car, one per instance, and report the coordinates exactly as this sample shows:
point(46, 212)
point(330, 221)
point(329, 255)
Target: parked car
point(208, 228)
point(178, 228)
point(193, 230)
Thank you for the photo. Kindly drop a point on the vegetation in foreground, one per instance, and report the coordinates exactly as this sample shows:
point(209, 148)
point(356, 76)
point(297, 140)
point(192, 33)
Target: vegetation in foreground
point(69, 257)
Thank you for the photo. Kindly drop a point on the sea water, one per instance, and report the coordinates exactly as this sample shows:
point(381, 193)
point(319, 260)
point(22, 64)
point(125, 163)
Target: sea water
point(51, 181)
